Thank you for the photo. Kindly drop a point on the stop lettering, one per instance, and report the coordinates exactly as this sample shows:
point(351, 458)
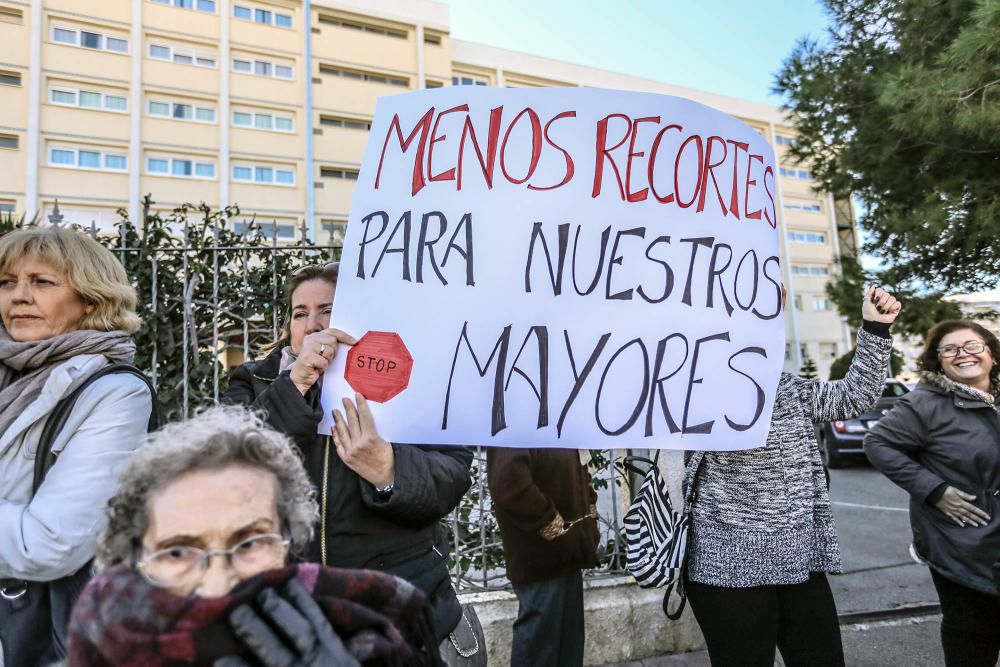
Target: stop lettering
point(379, 366)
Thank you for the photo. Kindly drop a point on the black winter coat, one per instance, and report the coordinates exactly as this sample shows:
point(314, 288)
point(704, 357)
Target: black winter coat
point(401, 535)
point(936, 435)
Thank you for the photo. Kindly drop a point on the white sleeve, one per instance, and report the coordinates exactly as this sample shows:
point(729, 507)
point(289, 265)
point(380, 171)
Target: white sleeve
point(55, 534)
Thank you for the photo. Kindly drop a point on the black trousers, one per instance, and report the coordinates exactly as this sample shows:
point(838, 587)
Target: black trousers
point(970, 624)
point(742, 626)
point(549, 630)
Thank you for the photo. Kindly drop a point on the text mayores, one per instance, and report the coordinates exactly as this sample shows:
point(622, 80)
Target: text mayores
point(647, 158)
point(665, 373)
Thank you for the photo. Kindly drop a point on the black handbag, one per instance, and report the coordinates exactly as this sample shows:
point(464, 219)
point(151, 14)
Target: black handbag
point(34, 615)
point(465, 646)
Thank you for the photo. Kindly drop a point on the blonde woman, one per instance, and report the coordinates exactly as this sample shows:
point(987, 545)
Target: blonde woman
point(67, 311)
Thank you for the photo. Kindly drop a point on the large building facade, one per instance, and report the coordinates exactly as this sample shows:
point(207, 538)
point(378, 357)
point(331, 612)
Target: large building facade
point(268, 103)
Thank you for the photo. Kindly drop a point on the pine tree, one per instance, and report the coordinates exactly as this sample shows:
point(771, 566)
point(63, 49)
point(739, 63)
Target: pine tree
point(900, 106)
point(808, 370)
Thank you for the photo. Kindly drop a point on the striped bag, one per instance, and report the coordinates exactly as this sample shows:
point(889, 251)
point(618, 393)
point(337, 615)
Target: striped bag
point(655, 535)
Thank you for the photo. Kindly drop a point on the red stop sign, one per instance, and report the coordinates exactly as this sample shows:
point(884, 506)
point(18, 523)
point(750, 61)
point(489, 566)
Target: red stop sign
point(378, 366)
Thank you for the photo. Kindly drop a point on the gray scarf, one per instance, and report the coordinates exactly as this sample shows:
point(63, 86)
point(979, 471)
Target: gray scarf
point(25, 367)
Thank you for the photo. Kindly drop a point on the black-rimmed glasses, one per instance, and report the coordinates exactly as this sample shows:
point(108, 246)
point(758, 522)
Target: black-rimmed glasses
point(971, 347)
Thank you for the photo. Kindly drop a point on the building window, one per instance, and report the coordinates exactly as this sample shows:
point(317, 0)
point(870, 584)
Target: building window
point(87, 159)
point(262, 68)
point(430, 83)
point(828, 350)
point(798, 302)
point(7, 206)
point(9, 78)
point(803, 205)
point(432, 38)
point(89, 40)
point(800, 174)
point(810, 271)
point(811, 238)
point(335, 121)
point(180, 167)
point(273, 229)
point(784, 140)
point(8, 141)
point(200, 5)
point(788, 351)
point(11, 15)
point(87, 99)
point(265, 16)
point(468, 81)
point(263, 174)
point(363, 27)
point(371, 77)
point(180, 111)
point(181, 55)
point(330, 172)
point(263, 121)
point(821, 303)
point(335, 229)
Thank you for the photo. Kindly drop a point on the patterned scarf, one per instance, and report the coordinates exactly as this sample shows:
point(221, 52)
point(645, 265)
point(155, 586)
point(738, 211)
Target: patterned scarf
point(24, 367)
point(121, 619)
point(944, 382)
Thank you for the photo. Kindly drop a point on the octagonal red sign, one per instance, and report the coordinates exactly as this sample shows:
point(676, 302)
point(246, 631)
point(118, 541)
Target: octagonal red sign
point(379, 366)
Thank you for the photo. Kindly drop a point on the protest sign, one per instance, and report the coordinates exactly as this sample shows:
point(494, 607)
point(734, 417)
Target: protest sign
point(566, 267)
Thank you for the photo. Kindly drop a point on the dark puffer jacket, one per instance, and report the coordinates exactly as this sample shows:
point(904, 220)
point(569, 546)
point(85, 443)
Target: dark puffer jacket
point(401, 535)
point(941, 433)
point(536, 493)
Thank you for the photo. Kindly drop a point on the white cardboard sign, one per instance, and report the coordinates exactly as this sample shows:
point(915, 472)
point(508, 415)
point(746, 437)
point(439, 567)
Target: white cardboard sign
point(568, 268)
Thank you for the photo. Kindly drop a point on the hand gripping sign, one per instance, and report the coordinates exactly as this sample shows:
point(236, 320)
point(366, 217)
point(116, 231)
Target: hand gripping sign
point(567, 267)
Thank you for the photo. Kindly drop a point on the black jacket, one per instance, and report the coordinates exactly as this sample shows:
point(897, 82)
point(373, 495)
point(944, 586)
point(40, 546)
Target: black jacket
point(536, 492)
point(937, 435)
point(401, 535)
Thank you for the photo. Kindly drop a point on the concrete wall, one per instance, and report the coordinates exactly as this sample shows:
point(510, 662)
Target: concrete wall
point(624, 622)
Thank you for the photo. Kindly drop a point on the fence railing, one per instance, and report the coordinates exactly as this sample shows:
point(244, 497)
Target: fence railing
point(210, 292)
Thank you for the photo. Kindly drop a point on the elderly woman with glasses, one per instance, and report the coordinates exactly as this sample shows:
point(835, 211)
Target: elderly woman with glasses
point(380, 503)
point(193, 564)
point(941, 443)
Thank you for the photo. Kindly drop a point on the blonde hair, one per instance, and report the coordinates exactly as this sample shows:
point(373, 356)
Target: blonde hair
point(91, 270)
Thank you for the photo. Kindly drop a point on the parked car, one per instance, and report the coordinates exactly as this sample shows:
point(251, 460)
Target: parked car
point(840, 440)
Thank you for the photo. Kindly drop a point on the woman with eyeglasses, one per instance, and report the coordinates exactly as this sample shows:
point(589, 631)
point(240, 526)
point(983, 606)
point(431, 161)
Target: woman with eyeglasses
point(193, 564)
point(941, 443)
point(381, 503)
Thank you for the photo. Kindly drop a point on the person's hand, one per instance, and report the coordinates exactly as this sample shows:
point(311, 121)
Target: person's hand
point(286, 629)
point(314, 356)
point(880, 306)
point(360, 446)
point(956, 505)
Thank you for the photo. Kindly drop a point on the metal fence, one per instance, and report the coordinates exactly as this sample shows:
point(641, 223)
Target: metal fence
point(210, 293)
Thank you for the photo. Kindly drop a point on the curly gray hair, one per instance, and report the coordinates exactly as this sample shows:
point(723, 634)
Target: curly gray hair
point(216, 438)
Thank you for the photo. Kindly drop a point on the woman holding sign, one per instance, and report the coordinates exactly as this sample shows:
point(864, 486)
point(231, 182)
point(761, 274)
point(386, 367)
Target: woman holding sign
point(380, 503)
point(762, 534)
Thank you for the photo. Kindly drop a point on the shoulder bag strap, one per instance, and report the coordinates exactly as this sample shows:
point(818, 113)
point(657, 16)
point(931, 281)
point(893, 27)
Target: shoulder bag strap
point(45, 457)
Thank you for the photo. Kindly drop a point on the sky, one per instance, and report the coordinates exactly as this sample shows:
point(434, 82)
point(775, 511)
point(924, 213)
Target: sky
point(732, 47)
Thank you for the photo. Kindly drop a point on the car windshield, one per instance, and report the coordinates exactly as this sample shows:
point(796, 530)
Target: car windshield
point(894, 390)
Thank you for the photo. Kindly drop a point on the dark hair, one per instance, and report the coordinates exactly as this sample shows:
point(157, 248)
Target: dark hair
point(304, 274)
point(930, 361)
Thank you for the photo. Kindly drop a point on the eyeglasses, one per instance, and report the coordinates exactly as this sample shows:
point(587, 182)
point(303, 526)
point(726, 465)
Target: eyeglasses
point(182, 566)
point(324, 267)
point(972, 347)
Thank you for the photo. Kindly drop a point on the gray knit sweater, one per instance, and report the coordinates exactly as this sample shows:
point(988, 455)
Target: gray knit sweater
point(762, 516)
